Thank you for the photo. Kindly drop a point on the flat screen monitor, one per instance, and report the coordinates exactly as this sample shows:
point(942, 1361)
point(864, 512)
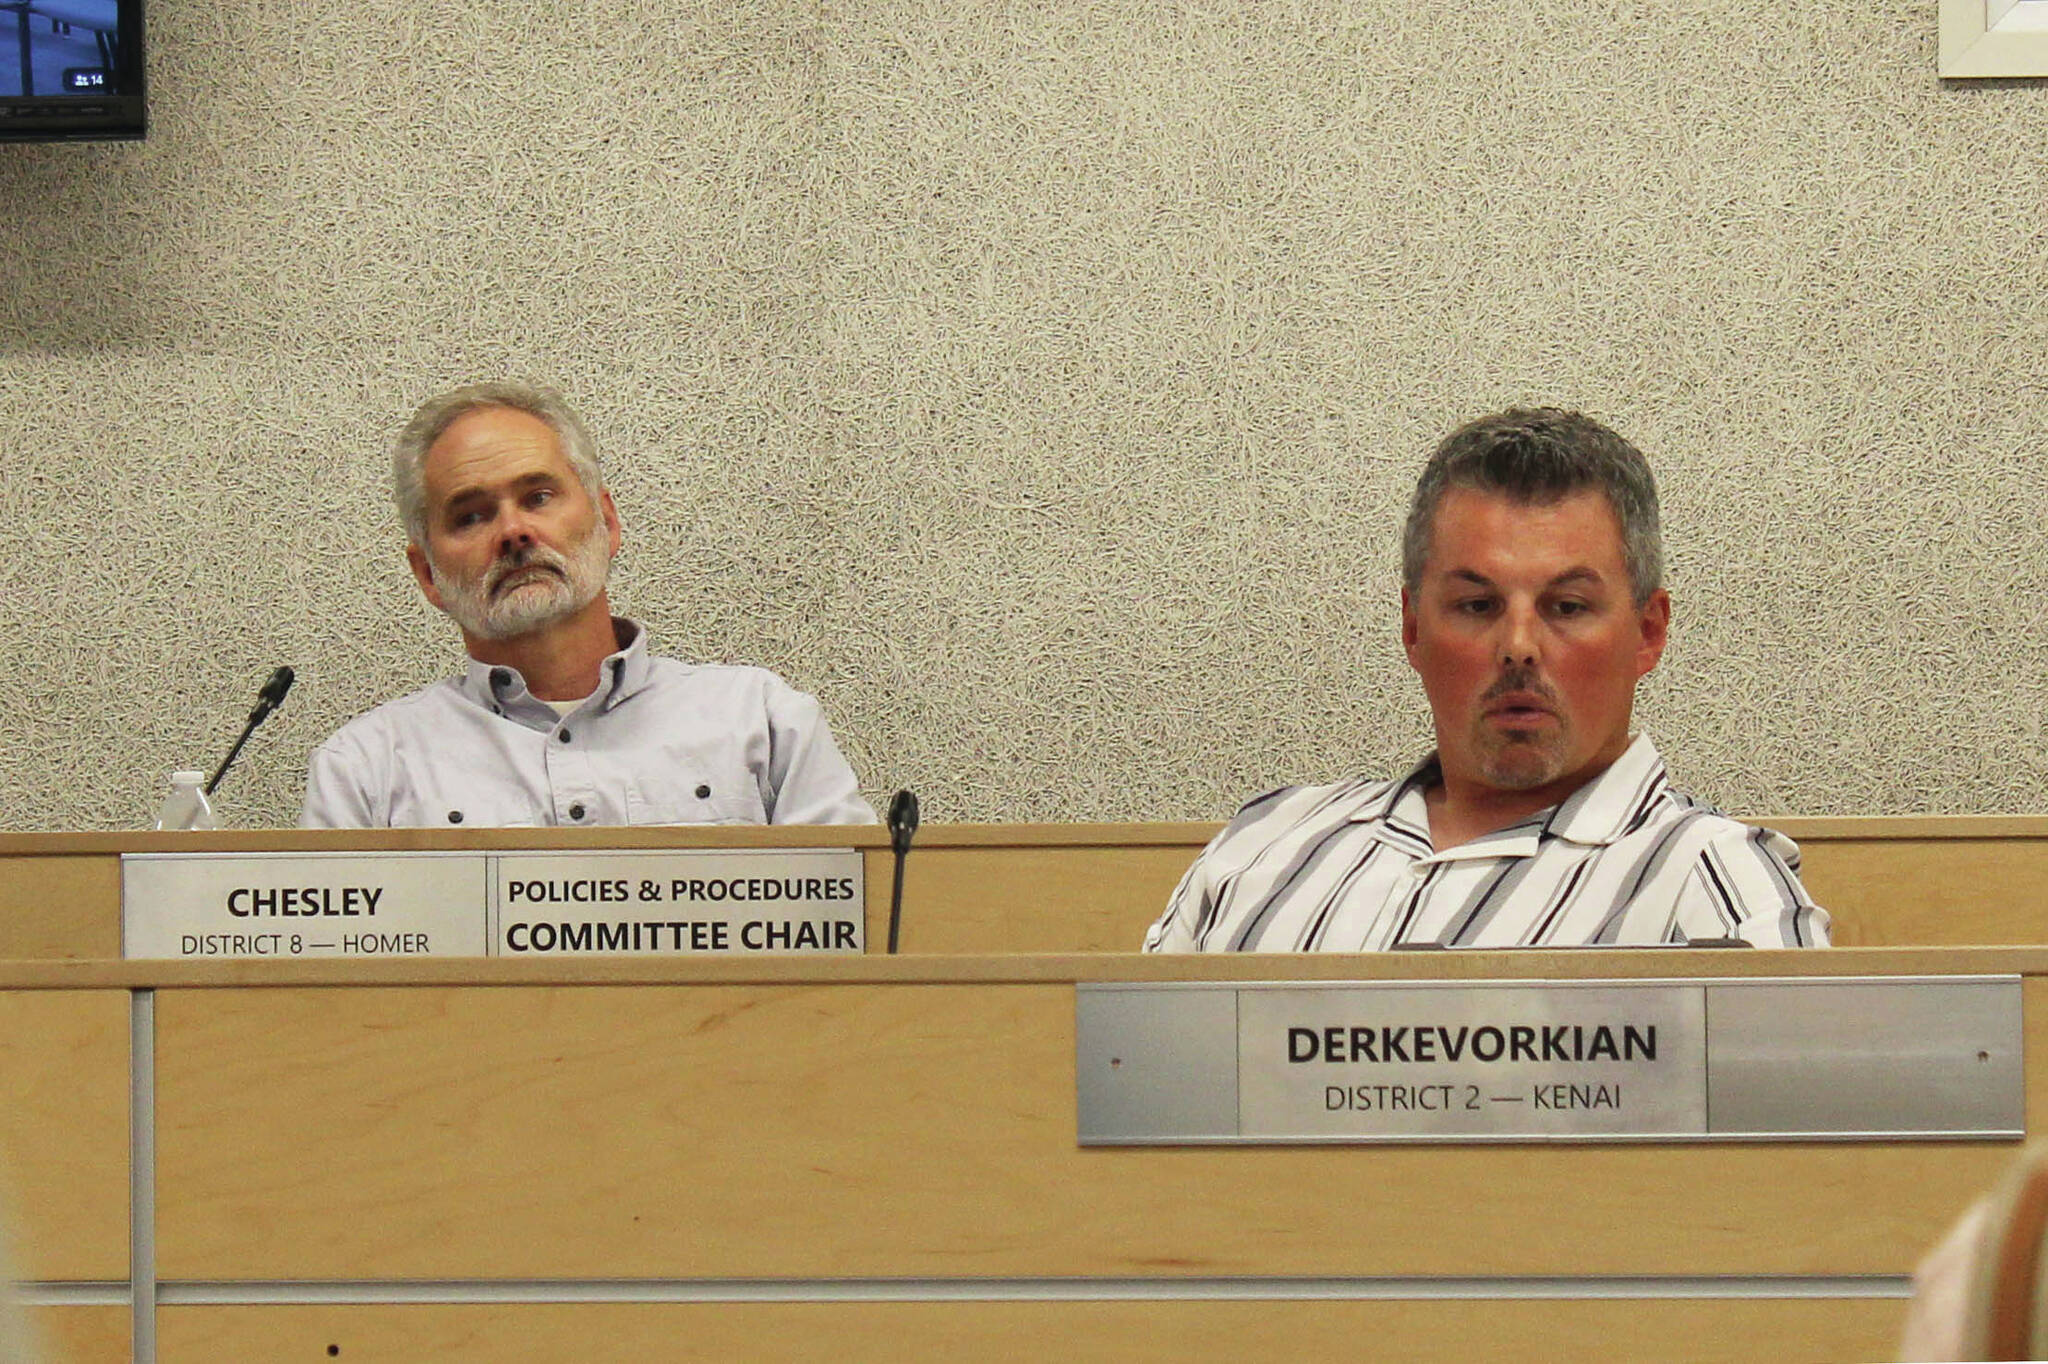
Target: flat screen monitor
point(70, 69)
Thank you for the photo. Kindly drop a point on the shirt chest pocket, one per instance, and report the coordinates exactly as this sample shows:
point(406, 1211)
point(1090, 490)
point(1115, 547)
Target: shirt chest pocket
point(482, 808)
point(695, 802)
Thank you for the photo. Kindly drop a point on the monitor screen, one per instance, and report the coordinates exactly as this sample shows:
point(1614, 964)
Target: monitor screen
point(70, 69)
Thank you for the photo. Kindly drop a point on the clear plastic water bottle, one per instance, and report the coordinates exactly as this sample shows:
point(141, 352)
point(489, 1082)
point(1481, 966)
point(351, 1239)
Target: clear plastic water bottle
point(186, 807)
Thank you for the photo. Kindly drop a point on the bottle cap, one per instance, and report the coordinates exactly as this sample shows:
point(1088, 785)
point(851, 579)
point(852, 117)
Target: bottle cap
point(187, 778)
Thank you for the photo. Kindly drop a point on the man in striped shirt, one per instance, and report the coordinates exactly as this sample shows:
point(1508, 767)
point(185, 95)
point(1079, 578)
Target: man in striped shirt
point(1531, 605)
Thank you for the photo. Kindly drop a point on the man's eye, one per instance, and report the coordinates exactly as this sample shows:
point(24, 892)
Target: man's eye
point(465, 519)
point(540, 497)
point(1473, 606)
point(1570, 607)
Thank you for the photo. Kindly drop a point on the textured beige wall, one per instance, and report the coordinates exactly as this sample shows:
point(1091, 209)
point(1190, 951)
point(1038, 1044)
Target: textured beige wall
point(1040, 384)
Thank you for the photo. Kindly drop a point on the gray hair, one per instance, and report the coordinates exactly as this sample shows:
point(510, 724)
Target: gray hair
point(1538, 455)
point(436, 415)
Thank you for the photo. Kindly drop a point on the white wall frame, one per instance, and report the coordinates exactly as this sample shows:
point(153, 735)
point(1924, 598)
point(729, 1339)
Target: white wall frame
point(1994, 38)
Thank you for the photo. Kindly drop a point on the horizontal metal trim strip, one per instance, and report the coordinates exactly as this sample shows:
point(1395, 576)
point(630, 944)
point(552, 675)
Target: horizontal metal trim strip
point(1229, 970)
point(1542, 982)
point(258, 1293)
point(75, 1293)
point(1994, 1134)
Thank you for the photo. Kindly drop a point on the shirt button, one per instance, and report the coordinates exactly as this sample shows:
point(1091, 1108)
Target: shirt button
point(576, 810)
point(703, 793)
point(455, 816)
point(1417, 869)
point(565, 736)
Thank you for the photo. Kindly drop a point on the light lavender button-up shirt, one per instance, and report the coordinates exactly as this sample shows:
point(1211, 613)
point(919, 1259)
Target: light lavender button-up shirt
point(658, 742)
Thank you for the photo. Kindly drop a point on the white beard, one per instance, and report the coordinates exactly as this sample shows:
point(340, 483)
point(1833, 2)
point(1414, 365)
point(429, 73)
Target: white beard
point(562, 586)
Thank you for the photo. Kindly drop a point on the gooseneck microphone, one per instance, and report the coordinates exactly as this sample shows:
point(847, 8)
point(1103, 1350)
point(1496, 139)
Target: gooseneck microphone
point(902, 828)
point(267, 700)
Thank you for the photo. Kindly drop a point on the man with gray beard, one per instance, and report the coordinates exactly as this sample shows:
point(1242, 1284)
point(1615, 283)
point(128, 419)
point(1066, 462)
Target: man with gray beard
point(563, 716)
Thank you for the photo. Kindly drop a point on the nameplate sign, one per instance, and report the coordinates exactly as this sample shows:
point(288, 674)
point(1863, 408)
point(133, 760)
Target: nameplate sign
point(625, 902)
point(1526, 1061)
point(664, 903)
point(192, 906)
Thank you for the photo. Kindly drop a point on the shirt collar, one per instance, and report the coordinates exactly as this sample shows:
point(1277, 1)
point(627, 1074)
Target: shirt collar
point(497, 687)
point(1596, 814)
point(1397, 808)
point(1606, 807)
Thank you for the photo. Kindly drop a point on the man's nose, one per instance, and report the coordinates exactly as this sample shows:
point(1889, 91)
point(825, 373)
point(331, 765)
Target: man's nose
point(515, 531)
point(1519, 646)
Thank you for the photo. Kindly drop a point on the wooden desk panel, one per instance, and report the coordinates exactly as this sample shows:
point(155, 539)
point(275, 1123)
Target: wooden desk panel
point(87, 1335)
point(890, 1129)
point(1886, 883)
point(1893, 882)
point(1030, 899)
point(64, 1130)
point(1902, 892)
point(1782, 1331)
point(1084, 887)
point(60, 905)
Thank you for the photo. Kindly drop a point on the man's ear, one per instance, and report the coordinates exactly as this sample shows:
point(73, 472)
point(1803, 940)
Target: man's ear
point(1408, 630)
point(1656, 627)
point(611, 519)
point(424, 573)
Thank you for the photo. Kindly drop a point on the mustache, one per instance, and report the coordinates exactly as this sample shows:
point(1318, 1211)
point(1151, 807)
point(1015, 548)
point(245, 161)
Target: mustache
point(525, 557)
point(1520, 679)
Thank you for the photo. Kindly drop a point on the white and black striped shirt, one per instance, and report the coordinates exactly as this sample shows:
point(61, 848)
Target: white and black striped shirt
point(1623, 860)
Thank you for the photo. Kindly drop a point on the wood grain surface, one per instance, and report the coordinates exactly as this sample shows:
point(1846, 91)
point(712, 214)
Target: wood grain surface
point(1708, 1331)
point(64, 1131)
point(886, 1130)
